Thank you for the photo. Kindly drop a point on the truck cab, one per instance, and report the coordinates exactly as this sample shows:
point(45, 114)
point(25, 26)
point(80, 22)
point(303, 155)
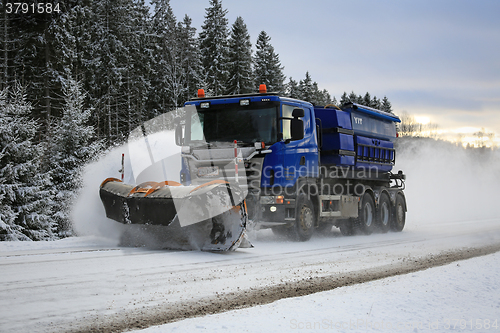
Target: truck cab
point(291, 158)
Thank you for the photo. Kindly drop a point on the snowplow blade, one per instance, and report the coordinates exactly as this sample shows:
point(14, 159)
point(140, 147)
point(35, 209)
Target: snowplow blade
point(209, 217)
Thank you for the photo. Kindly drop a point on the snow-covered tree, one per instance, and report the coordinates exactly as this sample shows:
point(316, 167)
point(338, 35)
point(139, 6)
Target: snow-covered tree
point(344, 99)
point(240, 60)
point(309, 91)
point(214, 48)
point(306, 88)
point(267, 66)
point(376, 103)
point(367, 100)
point(191, 59)
point(321, 97)
point(386, 105)
point(292, 89)
point(353, 98)
point(167, 69)
point(72, 146)
point(24, 199)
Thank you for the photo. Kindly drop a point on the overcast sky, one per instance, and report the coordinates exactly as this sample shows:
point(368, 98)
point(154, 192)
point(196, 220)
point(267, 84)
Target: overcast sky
point(434, 58)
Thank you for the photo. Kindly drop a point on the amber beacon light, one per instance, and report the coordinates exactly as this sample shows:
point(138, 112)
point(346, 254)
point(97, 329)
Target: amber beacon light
point(262, 89)
point(201, 93)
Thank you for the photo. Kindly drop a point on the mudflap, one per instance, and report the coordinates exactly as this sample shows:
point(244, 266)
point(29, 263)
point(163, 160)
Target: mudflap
point(210, 217)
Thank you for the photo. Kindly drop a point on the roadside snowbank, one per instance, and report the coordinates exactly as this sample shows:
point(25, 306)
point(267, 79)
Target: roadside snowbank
point(460, 297)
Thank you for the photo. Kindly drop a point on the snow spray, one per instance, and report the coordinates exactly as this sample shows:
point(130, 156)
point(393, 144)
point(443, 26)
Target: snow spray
point(447, 183)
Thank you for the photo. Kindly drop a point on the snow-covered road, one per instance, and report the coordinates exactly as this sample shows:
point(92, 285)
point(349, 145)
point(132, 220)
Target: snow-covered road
point(88, 282)
point(458, 297)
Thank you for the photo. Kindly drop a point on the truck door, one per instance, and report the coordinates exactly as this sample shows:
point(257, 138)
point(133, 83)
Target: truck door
point(300, 157)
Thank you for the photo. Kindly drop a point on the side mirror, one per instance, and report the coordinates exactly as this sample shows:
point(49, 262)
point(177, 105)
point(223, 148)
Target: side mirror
point(179, 140)
point(298, 113)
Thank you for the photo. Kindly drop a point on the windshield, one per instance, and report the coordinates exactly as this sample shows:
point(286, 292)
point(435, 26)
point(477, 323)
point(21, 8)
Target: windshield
point(231, 123)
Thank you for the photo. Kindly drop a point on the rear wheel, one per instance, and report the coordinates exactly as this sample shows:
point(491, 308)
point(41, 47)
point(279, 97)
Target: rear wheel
point(384, 213)
point(399, 214)
point(304, 219)
point(366, 215)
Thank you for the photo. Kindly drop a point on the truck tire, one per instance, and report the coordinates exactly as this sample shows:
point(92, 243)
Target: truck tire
point(304, 219)
point(366, 215)
point(384, 216)
point(399, 216)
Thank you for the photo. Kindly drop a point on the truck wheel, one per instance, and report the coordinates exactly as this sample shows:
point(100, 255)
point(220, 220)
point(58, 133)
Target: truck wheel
point(384, 215)
point(304, 219)
point(366, 215)
point(399, 217)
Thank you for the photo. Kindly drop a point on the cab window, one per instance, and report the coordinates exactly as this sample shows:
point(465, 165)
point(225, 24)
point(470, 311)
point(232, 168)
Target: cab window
point(286, 112)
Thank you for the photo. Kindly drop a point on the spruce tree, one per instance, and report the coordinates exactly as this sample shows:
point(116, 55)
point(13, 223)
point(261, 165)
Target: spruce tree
point(71, 147)
point(321, 97)
point(386, 105)
point(24, 196)
point(191, 62)
point(292, 89)
point(334, 101)
point(367, 100)
point(353, 98)
point(376, 104)
point(240, 60)
point(306, 88)
point(344, 99)
point(267, 66)
point(163, 34)
point(214, 48)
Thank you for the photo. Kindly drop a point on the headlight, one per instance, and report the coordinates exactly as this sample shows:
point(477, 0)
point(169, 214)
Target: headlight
point(271, 200)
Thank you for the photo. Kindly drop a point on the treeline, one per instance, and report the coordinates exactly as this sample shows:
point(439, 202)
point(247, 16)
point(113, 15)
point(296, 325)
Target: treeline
point(39, 179)
point(80, 78)
point(135, 61)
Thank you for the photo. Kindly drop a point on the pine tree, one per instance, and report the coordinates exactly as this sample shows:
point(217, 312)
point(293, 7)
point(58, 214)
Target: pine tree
point(344, 99)
point(240, 60)
point(71, 147)
point(353, 98)
point(292, 89)
point(367, 100)
point(169, 78)
point(7, 51)
point(137, 66)
point(267, 66)
point(321, 97)
point(24, 199)
point(192, 66)
point(386, 105)
point(214, 48)
point(306, 88)
point(376, 104)
point(29, 59)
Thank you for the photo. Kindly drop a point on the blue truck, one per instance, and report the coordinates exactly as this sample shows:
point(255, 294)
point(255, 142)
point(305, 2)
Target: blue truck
point(303, 168)
point(265, 159)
